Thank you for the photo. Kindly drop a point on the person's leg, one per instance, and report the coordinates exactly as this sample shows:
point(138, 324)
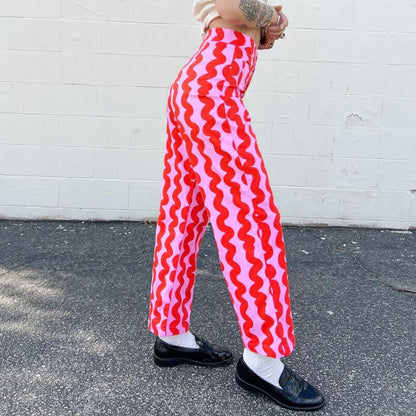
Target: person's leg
point(247, 227)
point(232, 177)
point(181, 224)
point(246, 223)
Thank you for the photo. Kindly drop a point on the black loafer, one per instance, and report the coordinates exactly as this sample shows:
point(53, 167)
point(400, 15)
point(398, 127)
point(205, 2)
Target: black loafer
point(295, 394)
point(167, 355)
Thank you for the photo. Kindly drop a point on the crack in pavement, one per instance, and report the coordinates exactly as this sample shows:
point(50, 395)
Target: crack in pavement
point(395, 286)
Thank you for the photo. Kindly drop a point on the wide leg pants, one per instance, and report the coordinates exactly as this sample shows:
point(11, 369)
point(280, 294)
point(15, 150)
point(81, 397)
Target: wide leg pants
point(213, 171)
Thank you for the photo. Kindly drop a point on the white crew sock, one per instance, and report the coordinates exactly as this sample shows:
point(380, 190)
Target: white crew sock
point(186, 340)
point(269, 369)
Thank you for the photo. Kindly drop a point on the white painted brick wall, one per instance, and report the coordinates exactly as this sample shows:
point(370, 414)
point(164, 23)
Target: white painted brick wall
point(83, 86)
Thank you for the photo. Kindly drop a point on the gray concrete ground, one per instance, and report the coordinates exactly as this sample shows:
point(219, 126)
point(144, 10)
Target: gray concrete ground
point(73, 337)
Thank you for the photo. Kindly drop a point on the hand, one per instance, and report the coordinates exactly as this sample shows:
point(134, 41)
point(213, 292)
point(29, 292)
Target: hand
point(274, 32)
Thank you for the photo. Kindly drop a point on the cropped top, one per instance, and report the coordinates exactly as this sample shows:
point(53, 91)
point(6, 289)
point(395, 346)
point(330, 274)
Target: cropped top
point(205, 12)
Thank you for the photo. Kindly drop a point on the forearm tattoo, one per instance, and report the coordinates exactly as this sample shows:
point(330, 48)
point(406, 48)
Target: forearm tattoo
point(255, 11)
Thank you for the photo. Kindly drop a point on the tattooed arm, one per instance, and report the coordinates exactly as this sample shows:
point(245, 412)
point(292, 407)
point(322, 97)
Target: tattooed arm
point(246, 13)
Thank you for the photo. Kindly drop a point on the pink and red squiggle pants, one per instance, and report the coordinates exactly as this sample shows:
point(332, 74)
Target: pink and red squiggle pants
point(213, 171)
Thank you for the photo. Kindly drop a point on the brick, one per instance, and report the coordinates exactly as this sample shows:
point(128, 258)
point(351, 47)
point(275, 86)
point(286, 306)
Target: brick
point(276, 76)
point(129, 164)
point(61, 213)
point(365, 79)
point(29, 129)
point(380, 16)
point(131, 102)
point(412, 210)
point(397, 175)
point(119, 38)
point(106, 163)
point(29, 66)
point(93, 132)
point(11, 33)
point(152, 12)
point(32, 213)
point(399, 112)
point(117, 70)
point(168, 40)
point(155, 71)
point(286, 170)
point(400, 81)
point(272, 108)
point(99, 10)
point(347, 46)
point(27, 191)
point(11, 97)
point(58, 161)
point(120, 9)
point(320, 14)
point(322, 77)
point(60, 99)
point(140, 164)
point(123, 215)
point(371, 15)
point(346, 110)
point(398, 143)
point(30, 8)
point(93, 193)
point(42, 99)
point(304, 140)
point(264, 135)
point(357, 142)
point(78, 36)
point(77, 67)
point(400, 48)
point(11, 159)
point(148, 133)
point(321, 206)
point(373, 205)
point(344, 173)
point(297, 46)
point(41, 34)
point(144, 195)
point(84, 10)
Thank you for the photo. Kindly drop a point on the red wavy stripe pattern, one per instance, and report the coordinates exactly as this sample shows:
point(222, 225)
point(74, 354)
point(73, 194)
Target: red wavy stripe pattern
point(213, 170)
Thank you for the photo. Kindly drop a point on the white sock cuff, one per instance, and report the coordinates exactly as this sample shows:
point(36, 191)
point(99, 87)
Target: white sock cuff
point(268, 368)
point(187, 340)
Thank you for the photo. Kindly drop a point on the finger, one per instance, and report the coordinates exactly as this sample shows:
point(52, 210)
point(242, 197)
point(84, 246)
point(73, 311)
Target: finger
point(283, 18)
point(274, 37)
point(273, 29)
point(275, 32)
point(283, 21)
point(281, 27)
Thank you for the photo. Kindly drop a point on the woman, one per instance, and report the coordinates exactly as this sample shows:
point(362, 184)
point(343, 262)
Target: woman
point(213, 171)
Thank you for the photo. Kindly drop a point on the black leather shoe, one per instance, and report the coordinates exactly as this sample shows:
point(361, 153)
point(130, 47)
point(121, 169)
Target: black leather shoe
point(295, 394)
point(168, 355)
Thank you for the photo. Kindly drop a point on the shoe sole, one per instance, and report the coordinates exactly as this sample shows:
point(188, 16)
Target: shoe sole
point(254, 389)
point(173, 362)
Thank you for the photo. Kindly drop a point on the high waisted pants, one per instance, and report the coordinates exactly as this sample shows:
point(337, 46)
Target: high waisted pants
point(213, 171)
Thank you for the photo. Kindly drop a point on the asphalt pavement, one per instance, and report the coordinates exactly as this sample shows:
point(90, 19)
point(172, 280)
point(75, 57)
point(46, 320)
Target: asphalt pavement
point(73, 323)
